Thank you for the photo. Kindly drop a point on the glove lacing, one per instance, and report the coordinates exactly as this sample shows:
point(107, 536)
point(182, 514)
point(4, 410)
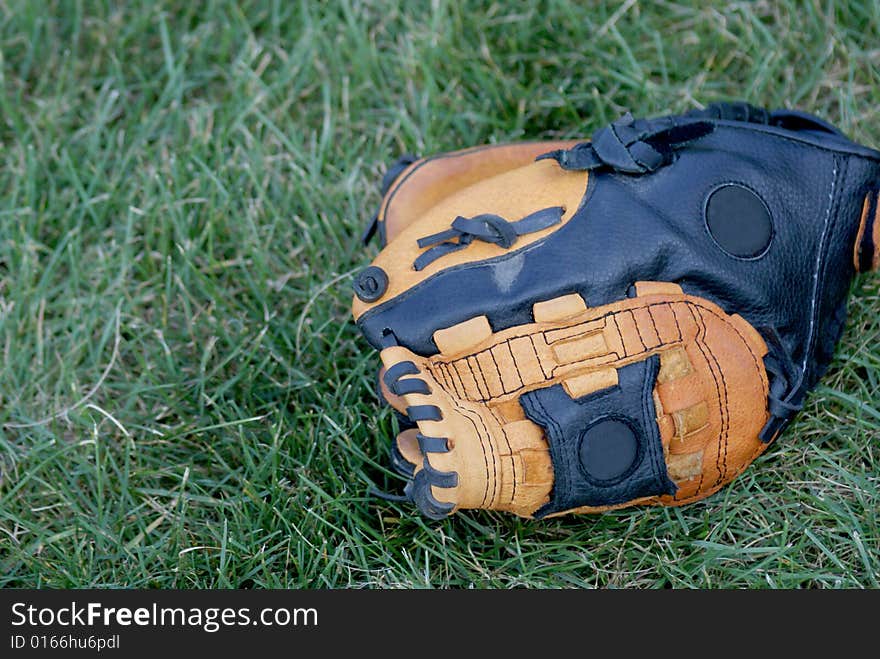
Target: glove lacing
point(787, 391)
point(488, 228)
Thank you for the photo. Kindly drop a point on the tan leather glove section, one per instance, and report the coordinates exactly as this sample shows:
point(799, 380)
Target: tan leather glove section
point(710, 395)
point(425, 182)
point(868, 237)
point(512, 194)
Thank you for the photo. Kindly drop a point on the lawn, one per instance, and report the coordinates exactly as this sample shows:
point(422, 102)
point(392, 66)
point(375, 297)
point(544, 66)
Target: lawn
point(184, 401)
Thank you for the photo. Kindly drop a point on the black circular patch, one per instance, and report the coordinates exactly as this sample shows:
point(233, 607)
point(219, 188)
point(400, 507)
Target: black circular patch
point(371, 284)
point(739, 221)
point(609, 450)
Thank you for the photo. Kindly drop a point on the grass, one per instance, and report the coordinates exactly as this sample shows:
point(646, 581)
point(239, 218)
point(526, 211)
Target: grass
point(184, 401)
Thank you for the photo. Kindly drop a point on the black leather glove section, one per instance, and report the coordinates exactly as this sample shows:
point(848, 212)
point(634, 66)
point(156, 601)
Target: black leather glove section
point(601, 458)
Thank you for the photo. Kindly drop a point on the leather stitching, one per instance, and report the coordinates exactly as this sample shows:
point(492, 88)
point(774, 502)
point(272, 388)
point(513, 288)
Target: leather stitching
point(535, 351)
point(516, 370)
point(638, 331)
point(497, 370)
point(702, 350)
point(513, 469)
point(724, 405)
point(466, 414)
point(820, 267)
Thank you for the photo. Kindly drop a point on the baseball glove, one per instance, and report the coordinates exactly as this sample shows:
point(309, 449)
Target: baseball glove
point(579, 326)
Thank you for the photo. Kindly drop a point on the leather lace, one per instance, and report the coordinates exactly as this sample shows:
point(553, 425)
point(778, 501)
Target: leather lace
point(632, 146)
point(787, 391)
point(488, 228)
